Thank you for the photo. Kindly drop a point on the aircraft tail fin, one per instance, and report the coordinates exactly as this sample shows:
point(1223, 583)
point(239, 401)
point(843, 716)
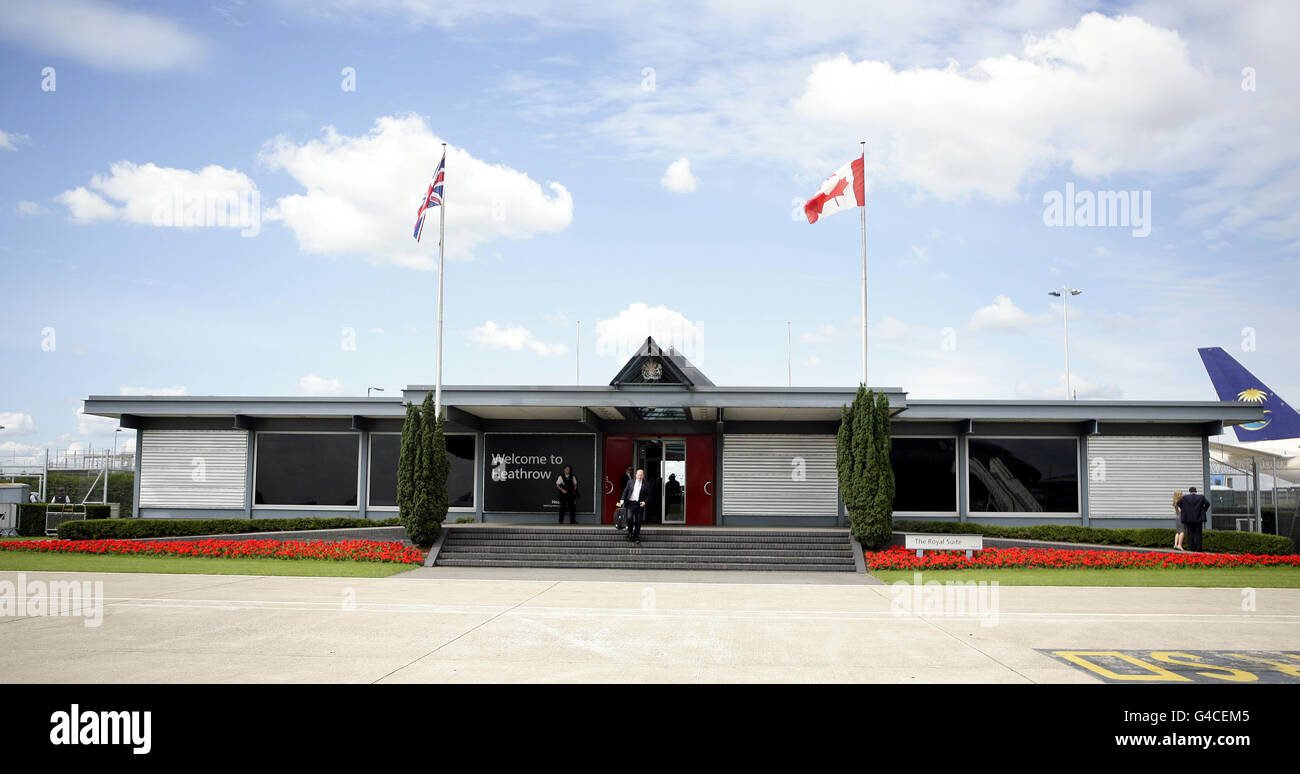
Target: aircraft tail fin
point(1233, 382)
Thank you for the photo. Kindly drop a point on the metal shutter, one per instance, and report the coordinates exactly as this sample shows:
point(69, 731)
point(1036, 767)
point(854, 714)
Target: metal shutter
point(758, 475)
point(1135, 476)
point(172, 460)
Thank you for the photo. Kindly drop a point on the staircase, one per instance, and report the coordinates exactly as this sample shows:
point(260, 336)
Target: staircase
point(661, 548)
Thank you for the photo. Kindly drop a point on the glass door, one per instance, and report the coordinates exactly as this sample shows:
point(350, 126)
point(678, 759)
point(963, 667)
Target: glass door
point(673, 478)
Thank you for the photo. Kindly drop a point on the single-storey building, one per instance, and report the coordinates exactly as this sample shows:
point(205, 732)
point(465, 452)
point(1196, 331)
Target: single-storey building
point(715, 455)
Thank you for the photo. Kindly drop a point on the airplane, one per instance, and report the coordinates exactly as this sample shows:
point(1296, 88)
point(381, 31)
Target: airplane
point(1278, 434)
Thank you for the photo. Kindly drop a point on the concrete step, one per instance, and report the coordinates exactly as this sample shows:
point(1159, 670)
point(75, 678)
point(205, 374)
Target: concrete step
point(669, 548)
point(645, 546)
point(645, 565)
point(664, 536)
point(720, 545)
point(632, 553)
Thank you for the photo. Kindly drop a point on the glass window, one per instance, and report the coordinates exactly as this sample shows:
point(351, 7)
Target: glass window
point(1024, 475)
point(925, 474)
point(385, 449)
point(460, 476)
point(306, 469)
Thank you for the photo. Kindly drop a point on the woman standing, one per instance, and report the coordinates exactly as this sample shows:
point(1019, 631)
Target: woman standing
point(1178, 522)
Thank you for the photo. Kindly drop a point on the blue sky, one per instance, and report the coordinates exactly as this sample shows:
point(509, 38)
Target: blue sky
point(638, 167)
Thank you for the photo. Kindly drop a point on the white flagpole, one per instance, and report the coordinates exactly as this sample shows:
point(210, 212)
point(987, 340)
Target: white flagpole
point(863, 208)
point(442, 230)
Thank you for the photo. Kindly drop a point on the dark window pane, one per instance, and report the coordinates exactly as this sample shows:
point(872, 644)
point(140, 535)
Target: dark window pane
point(1024, 475)
point(522, 468)
point(925, 474)
point(306, 469)
point(384, 451)
point(460, 476)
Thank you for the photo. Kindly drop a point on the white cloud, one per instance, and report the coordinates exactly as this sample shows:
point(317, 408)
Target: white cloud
point(85, 206)
point(362, 194)
point(29, 209)
point(622, 335)
point(514, 338)
point(127, 390)
point(888, 329)
point(93, 426)
point(1003, 315)
point(152, 195)
point(1083, 388)
point(678, 178)
point(810, 362)
point(317, 385)
point(820, 335)
point(9, 140)
point(1073, 96)
point(100, 34)
point(16, 424)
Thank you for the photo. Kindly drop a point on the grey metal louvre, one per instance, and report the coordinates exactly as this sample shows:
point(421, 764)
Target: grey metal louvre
point(1136, 476)
point(193, 468)
point(779, 475)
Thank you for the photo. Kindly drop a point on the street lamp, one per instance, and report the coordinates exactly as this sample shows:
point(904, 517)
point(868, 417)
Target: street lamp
point(1064, 294)
point(368, 389)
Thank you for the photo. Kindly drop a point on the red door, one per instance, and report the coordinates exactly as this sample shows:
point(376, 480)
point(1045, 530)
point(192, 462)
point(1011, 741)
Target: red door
point(701, 483)
point(618, 455)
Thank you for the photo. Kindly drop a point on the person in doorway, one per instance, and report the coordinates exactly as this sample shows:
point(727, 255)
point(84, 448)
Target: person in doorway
point(1193, 508)
point(1181, 529)
point(567, 484)
point(627, 476)
point(635, 492)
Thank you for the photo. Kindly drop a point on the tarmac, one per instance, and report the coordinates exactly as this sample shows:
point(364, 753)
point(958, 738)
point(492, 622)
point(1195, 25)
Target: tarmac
point(436, 625)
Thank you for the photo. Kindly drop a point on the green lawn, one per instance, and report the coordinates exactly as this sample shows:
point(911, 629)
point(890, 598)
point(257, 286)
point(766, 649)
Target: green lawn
point(27, 538)
point(35, 561)
point(1230, 577)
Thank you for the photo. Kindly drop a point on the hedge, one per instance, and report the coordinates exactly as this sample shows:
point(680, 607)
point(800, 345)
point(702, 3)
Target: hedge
point(31, 516)
point(99, 529)
point(1221, 541)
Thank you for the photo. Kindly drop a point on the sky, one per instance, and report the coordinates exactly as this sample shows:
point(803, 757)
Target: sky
point(218, 198)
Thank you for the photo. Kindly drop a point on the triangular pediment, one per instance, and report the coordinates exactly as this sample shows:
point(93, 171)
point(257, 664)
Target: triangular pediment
point(654, 365)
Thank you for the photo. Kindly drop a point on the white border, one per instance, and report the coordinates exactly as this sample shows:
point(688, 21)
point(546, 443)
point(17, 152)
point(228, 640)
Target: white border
point(1078, 481)
point(370, 456)
point(594, 454)
point(956, 473)
point(256, 453)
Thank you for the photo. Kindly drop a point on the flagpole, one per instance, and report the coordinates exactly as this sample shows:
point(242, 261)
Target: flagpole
point(442, 230)
point(863, 208)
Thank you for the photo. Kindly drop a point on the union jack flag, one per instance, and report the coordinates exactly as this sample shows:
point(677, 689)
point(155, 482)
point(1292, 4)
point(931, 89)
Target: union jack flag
point(433, 198)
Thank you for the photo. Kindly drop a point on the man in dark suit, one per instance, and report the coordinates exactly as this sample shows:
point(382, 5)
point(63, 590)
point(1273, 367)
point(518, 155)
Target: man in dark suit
point(627, 476)
point(1193, 507)
point(635, 492)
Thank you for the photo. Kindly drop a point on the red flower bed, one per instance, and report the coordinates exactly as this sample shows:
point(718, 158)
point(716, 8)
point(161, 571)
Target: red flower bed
point(899, 558)
point(345, 550)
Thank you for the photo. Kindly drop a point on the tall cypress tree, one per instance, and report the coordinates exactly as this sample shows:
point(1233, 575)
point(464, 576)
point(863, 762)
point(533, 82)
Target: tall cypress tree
point(878, 522)
point(440, 466)
point(423, 526)
point(406, 463)
point(844, 454)
point(861, 486)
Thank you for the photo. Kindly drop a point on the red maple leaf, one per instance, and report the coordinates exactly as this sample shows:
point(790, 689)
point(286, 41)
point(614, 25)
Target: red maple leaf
point(815, 205)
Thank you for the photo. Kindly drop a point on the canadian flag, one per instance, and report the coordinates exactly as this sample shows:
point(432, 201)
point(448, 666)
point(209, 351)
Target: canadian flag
point(843, 189)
